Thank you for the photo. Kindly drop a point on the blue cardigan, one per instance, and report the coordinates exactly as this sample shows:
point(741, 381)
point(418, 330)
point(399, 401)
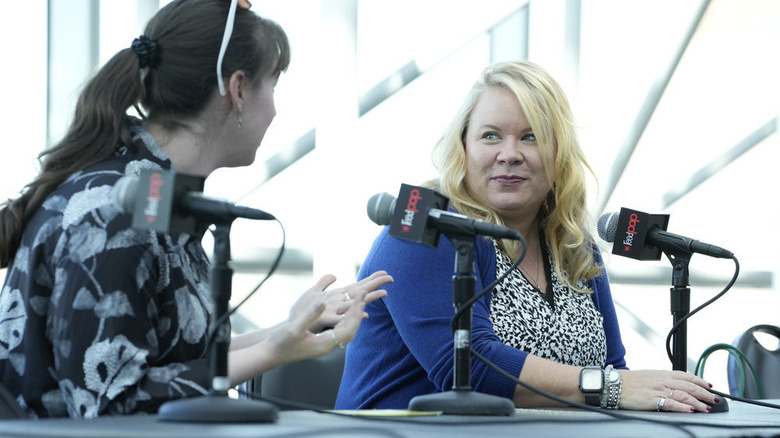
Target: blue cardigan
point(405, 347)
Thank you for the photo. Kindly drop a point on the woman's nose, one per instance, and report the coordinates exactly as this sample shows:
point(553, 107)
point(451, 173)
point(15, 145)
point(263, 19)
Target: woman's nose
point(510, 152)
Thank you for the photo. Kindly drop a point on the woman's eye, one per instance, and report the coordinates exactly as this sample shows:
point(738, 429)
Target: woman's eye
point(530, 137)
point(490, 136)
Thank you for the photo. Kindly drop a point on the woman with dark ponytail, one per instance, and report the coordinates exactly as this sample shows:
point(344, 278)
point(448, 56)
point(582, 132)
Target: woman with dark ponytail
point(97, 317)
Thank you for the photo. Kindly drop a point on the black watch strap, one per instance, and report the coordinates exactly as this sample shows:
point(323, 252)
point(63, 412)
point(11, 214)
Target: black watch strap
point(592, 384)
point(593, 398)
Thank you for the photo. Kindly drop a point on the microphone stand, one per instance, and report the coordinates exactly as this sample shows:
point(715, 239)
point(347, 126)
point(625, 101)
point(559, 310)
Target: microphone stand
point(680, 298)
point(217, 406)
point(462, 400)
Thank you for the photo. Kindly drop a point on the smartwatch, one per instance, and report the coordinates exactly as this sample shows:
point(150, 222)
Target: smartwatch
point(591, 384)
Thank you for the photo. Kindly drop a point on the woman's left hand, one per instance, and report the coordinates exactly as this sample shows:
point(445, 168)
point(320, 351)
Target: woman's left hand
point(341, 308)
point(296, 339)
point(662, 390)
point(339, 300)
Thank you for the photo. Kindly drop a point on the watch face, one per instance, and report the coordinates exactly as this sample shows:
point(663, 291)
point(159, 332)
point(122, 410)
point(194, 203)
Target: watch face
point(591, 379)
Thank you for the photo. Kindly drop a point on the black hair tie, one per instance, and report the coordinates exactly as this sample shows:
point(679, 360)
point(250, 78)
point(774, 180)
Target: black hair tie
point(147, 51)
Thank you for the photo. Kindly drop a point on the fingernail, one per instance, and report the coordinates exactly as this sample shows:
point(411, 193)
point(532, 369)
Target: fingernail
point(710, 385)
point(709, 408)
point(717, 399)
point(694, 409)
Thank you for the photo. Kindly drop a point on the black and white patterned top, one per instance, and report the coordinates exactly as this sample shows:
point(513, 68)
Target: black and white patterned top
point(97, 317)
point(565, 328)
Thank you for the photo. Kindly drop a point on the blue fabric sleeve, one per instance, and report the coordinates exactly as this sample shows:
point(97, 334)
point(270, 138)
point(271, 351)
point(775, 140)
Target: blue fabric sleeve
point(405, 348)
point(602, 297)
point(415, 354)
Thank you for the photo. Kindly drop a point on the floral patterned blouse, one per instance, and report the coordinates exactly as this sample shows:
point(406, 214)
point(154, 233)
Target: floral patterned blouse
point(97, 317)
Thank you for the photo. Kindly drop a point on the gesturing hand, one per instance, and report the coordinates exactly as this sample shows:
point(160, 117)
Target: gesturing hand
point(342, 309)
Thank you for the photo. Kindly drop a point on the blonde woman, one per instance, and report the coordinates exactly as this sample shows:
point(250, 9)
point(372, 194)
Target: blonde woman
point(509, 157)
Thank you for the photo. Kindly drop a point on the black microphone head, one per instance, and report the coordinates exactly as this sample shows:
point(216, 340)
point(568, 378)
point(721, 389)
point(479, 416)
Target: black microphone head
point(124, 192)
point(607, 226)
point(380, 208)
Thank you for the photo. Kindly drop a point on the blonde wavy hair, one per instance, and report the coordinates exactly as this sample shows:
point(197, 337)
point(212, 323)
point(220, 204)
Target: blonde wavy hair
point(564, 216)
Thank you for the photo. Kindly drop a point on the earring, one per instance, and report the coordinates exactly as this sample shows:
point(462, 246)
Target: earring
point(240, 122)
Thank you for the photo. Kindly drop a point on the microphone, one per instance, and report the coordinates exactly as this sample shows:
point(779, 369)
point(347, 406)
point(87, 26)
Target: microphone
point(643, 236)
point(167, 201)
point(421, 216)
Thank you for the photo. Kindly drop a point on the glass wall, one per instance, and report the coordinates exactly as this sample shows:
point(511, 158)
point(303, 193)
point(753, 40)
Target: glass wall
point(678, 104)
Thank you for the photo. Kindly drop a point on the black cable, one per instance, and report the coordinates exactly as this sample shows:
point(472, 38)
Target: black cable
point(470, 302)
point(514, 379)
point(609, 412)
point(274, 266)
point(290, 404)
point(746, 400)
point(565, 402)
point(677, 325)
point(218, 323)
point(613, 415)
point(617, 416)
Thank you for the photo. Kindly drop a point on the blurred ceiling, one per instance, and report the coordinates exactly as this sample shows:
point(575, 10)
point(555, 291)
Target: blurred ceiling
point(678, 104)
point(677, 101)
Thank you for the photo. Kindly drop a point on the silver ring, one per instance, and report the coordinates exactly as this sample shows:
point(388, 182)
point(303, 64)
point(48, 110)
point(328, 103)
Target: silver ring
point(346, 296)
point(340, 344)
point(660, 404)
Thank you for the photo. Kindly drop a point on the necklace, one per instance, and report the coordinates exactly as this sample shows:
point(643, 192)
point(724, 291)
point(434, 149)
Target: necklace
point(534, 278)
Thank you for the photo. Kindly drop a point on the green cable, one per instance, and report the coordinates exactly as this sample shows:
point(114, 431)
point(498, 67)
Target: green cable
point(741, 360)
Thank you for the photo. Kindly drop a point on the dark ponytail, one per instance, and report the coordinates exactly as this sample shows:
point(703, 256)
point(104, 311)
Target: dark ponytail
point(176, 86)
point(98, 126)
